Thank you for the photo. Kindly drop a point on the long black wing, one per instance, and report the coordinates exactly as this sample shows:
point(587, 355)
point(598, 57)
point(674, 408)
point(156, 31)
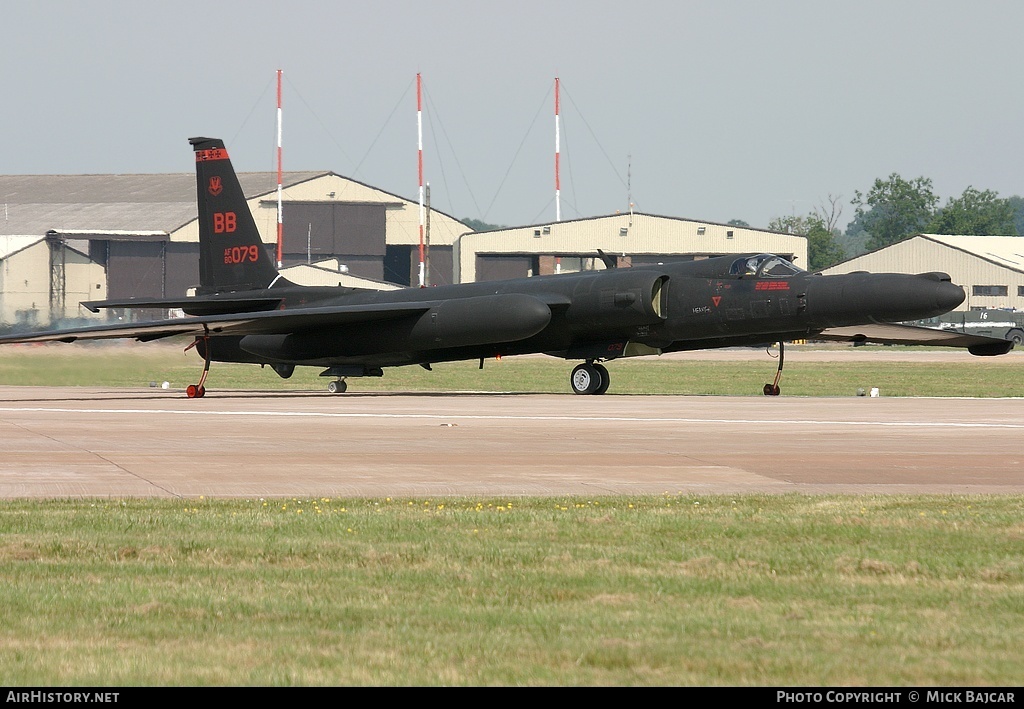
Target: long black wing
point(276, 321)
point(894, 334)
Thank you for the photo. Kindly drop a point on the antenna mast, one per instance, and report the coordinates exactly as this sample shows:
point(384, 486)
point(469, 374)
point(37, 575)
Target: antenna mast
point(280, 204)
point(629, 186)
point(558, 185)
point(419, 135)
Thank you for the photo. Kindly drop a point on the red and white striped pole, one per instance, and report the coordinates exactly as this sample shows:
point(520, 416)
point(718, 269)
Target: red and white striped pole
point(419, 134)
point(280, 180)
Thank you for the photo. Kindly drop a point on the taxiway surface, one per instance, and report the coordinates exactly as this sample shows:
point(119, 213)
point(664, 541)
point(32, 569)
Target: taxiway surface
point(91, 442)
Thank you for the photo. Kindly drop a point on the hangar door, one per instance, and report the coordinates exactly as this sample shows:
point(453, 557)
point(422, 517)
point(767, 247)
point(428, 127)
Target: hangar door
point(497, 267)
point(353, 232)
point(135, 269)
point(147, 269)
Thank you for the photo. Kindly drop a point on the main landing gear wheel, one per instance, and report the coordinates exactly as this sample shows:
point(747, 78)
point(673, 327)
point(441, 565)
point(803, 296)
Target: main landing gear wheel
point(337, 387)
point(589, 378)
point(605, 378)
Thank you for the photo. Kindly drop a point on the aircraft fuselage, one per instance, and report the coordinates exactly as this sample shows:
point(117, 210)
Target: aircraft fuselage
point(592, 315)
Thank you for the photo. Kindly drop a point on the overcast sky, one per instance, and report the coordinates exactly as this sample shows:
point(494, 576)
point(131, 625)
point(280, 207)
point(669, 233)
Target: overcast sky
point(717, 110)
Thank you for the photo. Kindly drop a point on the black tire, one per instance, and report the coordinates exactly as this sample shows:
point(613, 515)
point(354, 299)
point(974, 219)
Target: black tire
point(1016, 337)
point(337, 387)
point(772, 390)
point(585, 379)
point(605, 378)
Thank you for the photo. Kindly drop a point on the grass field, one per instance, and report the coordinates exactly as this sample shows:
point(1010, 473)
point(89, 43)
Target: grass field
point(664, 590)
point(779, 590)
point(132, 365)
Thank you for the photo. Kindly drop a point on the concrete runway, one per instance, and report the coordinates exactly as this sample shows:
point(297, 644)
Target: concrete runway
point(90, 442)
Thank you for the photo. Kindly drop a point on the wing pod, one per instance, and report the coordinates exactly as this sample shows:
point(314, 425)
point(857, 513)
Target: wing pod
point(462, 322)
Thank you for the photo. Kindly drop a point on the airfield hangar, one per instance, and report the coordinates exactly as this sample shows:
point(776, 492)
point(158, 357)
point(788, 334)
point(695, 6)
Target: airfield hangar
point(990, 268)
point(71, 238)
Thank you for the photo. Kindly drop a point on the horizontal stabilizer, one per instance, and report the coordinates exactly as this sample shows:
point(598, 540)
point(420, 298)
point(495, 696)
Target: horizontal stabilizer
point(894, 334)
point(192, 306)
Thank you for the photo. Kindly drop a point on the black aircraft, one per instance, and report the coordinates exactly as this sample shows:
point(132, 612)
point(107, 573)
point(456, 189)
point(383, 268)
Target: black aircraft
point(245, 311)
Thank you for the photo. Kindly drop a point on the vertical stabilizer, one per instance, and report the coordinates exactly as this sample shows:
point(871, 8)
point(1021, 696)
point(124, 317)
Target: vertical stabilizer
point(232, 256)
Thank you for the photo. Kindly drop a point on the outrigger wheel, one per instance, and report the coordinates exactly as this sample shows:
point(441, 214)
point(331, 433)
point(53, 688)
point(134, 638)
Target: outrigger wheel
point(198, 391)
point(589, 378)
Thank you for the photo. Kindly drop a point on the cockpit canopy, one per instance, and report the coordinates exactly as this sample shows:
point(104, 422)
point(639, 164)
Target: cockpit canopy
point(763, 265)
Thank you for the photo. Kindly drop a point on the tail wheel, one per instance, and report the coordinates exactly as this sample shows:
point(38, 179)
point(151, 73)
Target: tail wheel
point(586, 379)
point(195, 391)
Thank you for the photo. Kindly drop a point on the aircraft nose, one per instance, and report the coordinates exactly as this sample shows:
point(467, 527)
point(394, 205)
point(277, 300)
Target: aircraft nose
point(945, 294)
point(857, 298)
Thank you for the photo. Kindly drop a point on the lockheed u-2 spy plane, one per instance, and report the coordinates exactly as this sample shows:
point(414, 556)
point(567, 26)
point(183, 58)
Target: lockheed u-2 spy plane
point(245, 311)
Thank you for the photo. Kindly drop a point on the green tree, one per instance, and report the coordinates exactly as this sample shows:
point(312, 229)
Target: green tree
point(479, 225)
point(894, 209)
point(822, 248)
point(1017, 203)
point(975, 213)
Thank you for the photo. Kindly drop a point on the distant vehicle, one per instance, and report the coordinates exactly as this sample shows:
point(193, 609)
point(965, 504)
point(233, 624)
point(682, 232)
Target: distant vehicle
point(1000, 324)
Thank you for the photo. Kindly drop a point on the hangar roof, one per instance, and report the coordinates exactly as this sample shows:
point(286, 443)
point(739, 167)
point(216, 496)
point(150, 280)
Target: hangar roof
point(35, 204)
point(1005, 251)
point(10, 245)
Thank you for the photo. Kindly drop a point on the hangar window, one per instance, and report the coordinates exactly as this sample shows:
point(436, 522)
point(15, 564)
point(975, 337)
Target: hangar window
point(989, 290)
point(1020, 290)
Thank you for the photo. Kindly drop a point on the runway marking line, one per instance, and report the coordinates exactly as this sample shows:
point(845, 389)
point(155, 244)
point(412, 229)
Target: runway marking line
point(497, 417)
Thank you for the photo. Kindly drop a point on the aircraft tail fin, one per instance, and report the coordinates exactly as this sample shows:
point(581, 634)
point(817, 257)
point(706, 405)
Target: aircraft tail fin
point(232, 256)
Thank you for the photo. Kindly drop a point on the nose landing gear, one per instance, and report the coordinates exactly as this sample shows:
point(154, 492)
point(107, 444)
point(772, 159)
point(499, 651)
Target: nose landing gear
point(773, 388)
